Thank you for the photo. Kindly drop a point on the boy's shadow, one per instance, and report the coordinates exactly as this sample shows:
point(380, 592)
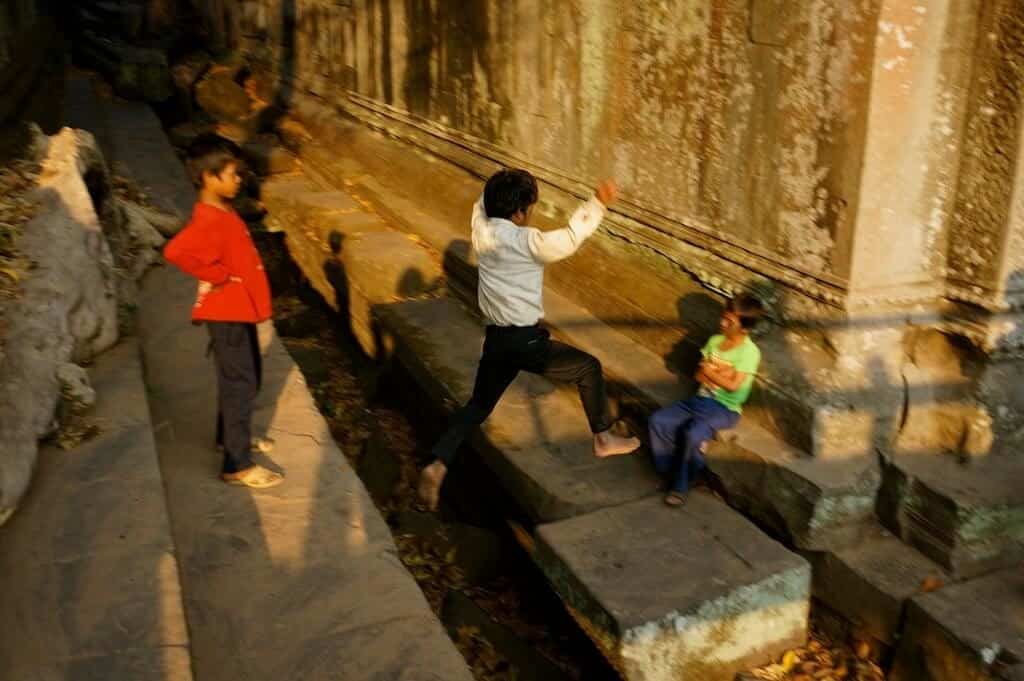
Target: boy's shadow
point(337, 277)
point(698, 317)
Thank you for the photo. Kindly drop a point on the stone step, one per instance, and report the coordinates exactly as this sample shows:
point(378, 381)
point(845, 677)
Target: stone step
point(871, 583)
point(296, 582)
point(691, 593)
point(537, 440)
point(810, 502)
point(88, 576)
point(538, 444)
point(349, 255)
point(968, 517)
point(968, 632)
point(299, 581)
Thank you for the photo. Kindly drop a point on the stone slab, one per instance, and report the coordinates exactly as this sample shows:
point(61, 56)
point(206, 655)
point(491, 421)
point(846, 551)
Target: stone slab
point(811, 502)
point(696, 592)
point(537, 440)
point(88, 576)
point(872, 582)
point(972, 631)
point(299, 581)
point(139, 664)
point(967, 517)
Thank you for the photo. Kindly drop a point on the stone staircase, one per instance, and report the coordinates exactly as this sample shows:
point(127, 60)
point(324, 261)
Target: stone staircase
point(129, 559)
point(824, 508)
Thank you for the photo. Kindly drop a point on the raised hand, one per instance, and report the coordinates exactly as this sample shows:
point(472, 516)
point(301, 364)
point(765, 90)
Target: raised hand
point(607, 192)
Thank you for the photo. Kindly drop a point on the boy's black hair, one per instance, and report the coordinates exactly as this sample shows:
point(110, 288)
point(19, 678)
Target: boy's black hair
point(508, 192)
point(210, 153)
point(748, 308)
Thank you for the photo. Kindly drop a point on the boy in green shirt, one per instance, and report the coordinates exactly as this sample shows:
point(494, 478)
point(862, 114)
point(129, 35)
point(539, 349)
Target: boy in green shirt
point(726, 375)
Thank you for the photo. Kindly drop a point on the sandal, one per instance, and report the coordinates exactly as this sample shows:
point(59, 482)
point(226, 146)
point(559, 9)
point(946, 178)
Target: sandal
point(675, 499)
point(261, 445)
point(256, 477)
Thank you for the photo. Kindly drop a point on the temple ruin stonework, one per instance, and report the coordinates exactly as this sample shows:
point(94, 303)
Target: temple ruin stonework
point(857, 164)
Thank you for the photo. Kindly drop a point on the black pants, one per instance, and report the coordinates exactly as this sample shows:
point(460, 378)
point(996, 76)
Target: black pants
point(236, 352)
point(509, 350)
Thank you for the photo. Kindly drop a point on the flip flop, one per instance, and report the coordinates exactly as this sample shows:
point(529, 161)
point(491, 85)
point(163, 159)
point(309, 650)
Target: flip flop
point(256, 477)
point(263, 445)
point(675, 499)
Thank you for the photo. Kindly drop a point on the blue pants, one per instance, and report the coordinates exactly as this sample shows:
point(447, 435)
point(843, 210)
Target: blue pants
point(679, 430)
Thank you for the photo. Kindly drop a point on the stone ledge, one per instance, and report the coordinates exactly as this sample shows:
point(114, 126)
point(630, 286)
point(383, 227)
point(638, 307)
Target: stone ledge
point(967, 632)
point(968, 518)
point(697, 593)
point(812, 502)
point(537, 440)
point(872, 582)
point(89, 578)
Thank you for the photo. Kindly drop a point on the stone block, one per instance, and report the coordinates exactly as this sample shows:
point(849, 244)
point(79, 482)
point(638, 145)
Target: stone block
point(187, 71)
point(691, 593)
point(67, 310)
point(967, 632)
point(135, 72)
point(969, 517)
point(870, 584)
point(222, 98)
point(265, 156)
point(812, 503)
point(537, 441)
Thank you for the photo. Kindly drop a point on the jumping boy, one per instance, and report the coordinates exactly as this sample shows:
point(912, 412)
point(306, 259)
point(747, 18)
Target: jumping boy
point(233, 296)
point(511, 259)
point(726, 376)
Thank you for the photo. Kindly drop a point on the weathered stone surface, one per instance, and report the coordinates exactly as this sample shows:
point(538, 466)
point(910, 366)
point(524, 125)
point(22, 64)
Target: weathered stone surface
point(135, 72)
point(266, 156)
point(75, 389)
point(125, 18)
point(186, 73)
point(871, 583)
point(811, 503)
point(696, 593)
point(135, 145)
point(967, 632)
point(348, 254)
point(87, 573)
point(67, 310)
point(220, 96)
point(969, 518)
point(814, 503)
point(301, 580)
point(183, 134)
point(785, 160)
point(537, 440)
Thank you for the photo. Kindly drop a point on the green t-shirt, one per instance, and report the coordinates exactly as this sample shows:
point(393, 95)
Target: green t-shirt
point(745, 358)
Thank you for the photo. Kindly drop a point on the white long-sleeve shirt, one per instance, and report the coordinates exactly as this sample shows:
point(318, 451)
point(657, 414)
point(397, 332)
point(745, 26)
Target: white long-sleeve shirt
point(511, 261)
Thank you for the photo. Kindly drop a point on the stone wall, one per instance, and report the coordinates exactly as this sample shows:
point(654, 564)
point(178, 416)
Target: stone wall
point(856, 163)
point(31, 67)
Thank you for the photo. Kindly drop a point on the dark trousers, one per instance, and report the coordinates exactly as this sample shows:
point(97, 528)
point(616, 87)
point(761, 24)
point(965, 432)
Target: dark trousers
point(509, 350)
point(236, 353)
point(678, 432)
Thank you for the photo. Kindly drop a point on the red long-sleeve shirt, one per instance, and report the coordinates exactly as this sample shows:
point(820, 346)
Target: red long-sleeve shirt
point(215, 246)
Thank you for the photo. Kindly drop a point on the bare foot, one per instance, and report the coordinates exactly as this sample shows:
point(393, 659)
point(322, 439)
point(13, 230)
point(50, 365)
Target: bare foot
point(429, 489)
point(607, 444)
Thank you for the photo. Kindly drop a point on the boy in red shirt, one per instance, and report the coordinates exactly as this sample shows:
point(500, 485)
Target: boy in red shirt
point(234, 295)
